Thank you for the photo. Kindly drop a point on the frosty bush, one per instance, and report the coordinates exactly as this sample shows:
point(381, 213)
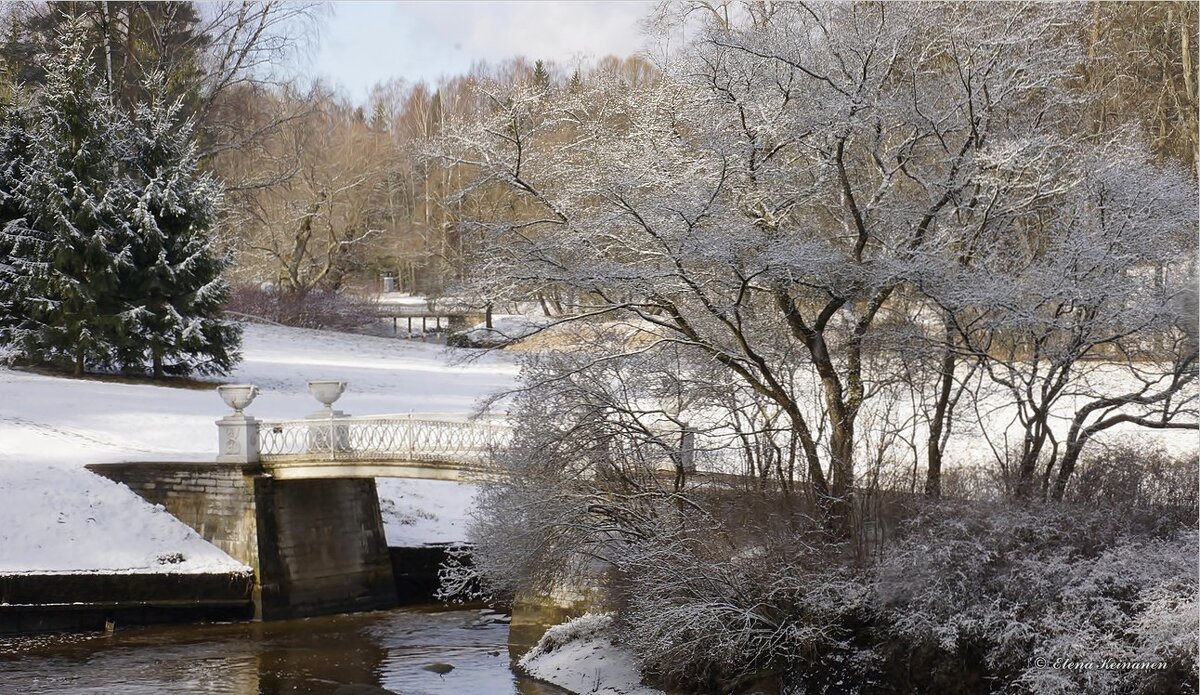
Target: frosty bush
point(709, 623)
point(316, 308)
point(974, 596)
point(1140, 478)
point(458, 580)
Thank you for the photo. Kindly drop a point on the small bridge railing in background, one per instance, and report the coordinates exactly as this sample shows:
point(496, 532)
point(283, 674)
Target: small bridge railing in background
point(449, 315)
point(433, 438)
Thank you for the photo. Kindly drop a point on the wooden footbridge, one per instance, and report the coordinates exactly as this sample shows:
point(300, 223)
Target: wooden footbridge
point(446, 314)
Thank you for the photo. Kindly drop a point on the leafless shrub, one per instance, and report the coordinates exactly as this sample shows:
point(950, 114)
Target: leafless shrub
point(980, 596)
point(1141, 478)
point(707, 617)
point(311, 309)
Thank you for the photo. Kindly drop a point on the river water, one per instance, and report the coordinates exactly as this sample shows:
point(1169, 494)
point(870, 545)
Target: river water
point(313, 656)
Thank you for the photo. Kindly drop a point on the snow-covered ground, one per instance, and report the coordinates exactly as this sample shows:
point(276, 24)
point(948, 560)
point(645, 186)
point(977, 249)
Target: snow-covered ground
point(505, 329)
point(55, 516)
point(419, 512)
point(581, 656)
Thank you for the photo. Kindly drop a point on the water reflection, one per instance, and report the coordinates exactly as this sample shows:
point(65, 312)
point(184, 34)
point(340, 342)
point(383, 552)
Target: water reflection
point(315, 656)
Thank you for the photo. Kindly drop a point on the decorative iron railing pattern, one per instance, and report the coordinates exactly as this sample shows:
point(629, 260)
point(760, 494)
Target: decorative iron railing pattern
point(419, 438)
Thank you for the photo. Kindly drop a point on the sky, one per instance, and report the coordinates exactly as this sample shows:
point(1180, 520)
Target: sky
point(363, 43)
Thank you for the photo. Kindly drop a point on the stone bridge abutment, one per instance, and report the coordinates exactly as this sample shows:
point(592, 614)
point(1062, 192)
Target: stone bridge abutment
point(316, 546)
point(296, 499)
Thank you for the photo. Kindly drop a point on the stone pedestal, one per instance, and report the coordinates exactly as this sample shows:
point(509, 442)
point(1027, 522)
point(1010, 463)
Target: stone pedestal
point(237, 439)
point(322, 547)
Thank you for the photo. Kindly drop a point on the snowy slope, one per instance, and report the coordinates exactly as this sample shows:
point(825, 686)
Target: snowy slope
point(55, 516)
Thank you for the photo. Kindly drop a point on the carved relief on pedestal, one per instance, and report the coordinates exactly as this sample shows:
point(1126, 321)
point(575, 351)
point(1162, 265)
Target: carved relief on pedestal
point(233, 444)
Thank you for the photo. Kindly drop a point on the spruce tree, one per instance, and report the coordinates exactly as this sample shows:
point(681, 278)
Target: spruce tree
point(174, 289)
point(541, 76)
point(107, 231)
point(16, 246)
point(71, 242)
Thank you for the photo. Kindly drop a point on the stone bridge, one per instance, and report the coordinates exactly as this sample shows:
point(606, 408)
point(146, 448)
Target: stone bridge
point(295, 499)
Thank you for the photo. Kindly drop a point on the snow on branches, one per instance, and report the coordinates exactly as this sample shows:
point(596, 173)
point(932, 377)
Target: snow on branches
point(798, 185)
point(109, 228)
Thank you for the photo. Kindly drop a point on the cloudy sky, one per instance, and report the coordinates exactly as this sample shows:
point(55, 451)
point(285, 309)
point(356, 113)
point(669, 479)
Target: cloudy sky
point(367, 42)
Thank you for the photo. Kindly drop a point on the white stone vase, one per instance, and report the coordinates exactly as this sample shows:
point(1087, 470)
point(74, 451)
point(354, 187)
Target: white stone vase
point(237, 396)
point(327, 391)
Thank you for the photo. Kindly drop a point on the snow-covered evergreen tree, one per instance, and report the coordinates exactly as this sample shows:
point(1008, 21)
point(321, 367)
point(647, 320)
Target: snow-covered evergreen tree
point(108, 247)
point(71, 243)
point(15, 142)
point(175, 288)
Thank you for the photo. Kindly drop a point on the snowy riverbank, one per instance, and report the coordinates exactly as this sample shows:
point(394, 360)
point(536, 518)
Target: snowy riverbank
point(582, 656)
point(55, 516)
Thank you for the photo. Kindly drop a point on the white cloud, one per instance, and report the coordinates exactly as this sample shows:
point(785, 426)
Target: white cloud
point(366, 42)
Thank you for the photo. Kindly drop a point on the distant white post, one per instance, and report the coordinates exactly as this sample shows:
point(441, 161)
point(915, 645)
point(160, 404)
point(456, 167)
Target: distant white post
point(685, 454)
point(687, 449)
point(237, 434)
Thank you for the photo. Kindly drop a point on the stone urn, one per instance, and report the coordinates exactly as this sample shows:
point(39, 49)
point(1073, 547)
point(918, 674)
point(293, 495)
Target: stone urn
point(237, 433)
point(237, 396)
point(327, 392)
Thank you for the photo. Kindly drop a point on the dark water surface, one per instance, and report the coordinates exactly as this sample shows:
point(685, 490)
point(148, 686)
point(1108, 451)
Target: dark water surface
point(314, 656)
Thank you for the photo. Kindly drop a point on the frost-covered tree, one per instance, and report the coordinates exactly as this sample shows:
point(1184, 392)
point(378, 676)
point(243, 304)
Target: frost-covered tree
point(175, 288)
point(15, 143)
point(777, 198)
point(70, 244)
point(1068, 319)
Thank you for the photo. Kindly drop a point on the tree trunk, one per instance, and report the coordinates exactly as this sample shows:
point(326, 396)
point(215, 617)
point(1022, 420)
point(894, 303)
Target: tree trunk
point(933, 476)
point(1076, 439)
point(105, 21)
point(841, 446)
point(1069, 461)
point(1028, 466)
point(839, 518)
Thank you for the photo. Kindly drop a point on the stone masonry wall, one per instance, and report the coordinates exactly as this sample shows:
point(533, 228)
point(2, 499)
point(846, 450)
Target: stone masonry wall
point(322, 547)
point(215, 499)
point(316, 546)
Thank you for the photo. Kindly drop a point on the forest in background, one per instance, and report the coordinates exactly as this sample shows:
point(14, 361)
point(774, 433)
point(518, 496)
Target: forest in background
point(325, 194)
point(320, 193)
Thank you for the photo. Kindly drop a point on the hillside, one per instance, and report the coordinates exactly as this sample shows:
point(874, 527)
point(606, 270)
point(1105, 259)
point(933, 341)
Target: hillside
point(55, 516)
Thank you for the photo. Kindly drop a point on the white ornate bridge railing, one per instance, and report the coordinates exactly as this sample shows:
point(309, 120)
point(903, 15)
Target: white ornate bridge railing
point(330, 435)
point(429, 438)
